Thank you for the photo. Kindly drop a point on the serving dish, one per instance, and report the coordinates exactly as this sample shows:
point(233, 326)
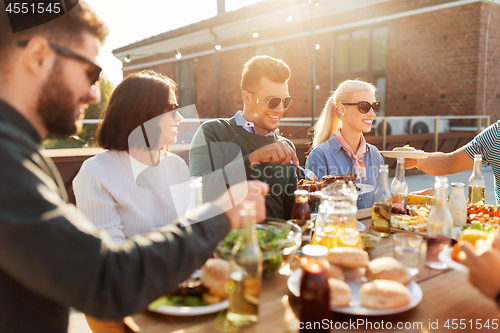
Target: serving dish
point(191, 310)
point(418, 155)
point(275, 254)
point(355, 306)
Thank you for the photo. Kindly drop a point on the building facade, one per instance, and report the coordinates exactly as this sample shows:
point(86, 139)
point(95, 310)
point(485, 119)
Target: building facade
point(426, 57)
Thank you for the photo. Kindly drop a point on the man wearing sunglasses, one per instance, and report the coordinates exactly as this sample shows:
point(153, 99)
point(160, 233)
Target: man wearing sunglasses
point(51, 257)
point(250, 141)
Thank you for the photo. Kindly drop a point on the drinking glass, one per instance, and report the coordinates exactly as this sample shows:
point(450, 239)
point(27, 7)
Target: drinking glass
point(407, 250)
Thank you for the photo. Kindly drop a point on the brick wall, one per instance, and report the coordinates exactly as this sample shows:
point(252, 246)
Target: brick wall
point(432, 63)
point(492, 105)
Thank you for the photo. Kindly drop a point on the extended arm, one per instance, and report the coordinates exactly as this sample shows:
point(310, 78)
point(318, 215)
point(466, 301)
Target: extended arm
point(439, 164)
point(50, 248)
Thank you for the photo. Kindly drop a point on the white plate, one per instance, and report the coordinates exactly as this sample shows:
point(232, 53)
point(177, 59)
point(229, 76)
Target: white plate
point(365, 188)
point(455, 232)
point(191, 310)
point(354, 306)
point(445, 257)
point(361, 226)
point(418, 155)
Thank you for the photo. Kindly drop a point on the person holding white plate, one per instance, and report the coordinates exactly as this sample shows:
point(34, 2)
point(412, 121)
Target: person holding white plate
point(485, 144)
point(339, 146)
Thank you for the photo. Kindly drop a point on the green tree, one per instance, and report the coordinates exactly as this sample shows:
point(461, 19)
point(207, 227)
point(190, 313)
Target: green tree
point(87, 136)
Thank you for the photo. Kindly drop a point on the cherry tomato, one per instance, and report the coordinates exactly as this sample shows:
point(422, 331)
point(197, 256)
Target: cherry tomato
point(472, 209)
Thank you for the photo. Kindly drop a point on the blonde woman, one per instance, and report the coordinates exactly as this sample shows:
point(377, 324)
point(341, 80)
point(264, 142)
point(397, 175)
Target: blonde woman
point(339, 146)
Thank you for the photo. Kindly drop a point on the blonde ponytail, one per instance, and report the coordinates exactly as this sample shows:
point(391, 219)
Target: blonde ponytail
point(327, 124)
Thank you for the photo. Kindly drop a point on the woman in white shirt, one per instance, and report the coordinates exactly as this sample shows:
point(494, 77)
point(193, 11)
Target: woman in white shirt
point(136, 186)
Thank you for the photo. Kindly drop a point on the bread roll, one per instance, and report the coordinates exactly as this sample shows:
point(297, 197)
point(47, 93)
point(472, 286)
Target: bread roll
point(340, 292)
point(387, 268)
point(336, 272)
point(215, 275)
point(384, 294)
point(348, 257)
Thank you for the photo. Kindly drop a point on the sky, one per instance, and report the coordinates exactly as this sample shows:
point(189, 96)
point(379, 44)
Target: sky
point(130, 21)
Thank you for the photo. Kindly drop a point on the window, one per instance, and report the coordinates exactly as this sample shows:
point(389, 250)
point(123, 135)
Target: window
point(380, 84)
point(361, 54)
point(379, 46)
point(342, 54)
point(360, 50)
point(185, 74)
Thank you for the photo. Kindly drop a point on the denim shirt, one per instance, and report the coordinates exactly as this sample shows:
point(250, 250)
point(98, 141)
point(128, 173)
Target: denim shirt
point(331, 158)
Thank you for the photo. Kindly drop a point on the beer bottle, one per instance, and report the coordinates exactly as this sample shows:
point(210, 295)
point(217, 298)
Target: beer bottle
point(246, 271)
point(477, 184)
point(382, 200)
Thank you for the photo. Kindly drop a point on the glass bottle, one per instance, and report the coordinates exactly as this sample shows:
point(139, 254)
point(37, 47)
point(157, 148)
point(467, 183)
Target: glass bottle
point(314, 287)
point(301, 214)
point(246, 271)
point(195, 193)
point(477, 184)
point(382, 200)
point(439, 224)
point(458, 204)
point(399, 189)
point(301, 210)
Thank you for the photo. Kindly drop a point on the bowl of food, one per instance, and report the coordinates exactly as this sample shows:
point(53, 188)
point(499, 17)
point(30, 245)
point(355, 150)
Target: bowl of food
point(278, 241)
point(369, 240)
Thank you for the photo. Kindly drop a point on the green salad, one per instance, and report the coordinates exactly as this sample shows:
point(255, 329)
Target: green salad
point(177, 300)
point(478, 226)
point(270, 240)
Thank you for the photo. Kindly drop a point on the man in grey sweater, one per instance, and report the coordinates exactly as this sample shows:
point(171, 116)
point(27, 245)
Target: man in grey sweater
point(51, 256)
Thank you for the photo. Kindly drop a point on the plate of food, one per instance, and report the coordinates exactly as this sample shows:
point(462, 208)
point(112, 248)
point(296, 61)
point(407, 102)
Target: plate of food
point(363, 295)
point(185, 311)
point(476, 234)
point(406, 151)
point(364, 188)
point(445, 257)
point(203, 293)
point(418, 155)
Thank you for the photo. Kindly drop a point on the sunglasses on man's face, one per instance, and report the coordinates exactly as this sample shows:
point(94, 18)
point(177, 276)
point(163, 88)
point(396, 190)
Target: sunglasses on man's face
point(364, 107)
point(92, 70)
point(274, 102)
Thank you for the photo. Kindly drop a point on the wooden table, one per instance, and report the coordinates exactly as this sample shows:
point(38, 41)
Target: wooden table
point(447, 295)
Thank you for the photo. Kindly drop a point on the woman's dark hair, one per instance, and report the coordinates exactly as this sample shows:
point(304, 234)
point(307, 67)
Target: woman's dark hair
point(137, 99)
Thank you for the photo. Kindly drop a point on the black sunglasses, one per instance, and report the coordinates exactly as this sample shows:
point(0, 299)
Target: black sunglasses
point(92, 70)
point(364, 107)
point(274, 102)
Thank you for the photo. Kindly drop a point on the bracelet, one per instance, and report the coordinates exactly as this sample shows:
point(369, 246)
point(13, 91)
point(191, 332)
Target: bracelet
point(497, 300)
